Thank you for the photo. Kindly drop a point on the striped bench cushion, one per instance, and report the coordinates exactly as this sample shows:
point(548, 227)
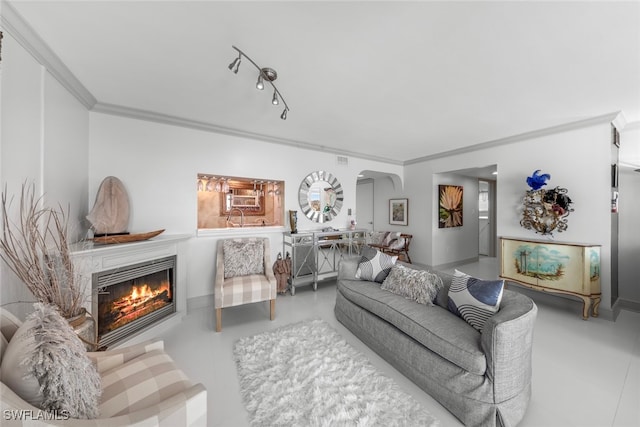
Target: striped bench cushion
point(140, 383)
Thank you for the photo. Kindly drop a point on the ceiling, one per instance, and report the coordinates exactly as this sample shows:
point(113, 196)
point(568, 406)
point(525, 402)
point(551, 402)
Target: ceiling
point(393, 81)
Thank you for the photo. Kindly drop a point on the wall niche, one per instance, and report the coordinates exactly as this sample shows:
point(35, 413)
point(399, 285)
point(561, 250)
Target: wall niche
point(239, 202)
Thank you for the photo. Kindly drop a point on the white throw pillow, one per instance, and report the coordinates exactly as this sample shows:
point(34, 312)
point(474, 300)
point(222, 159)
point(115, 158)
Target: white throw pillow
point(14, 373)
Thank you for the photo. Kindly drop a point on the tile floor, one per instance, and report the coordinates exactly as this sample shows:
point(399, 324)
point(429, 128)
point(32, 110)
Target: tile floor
point(585, 373)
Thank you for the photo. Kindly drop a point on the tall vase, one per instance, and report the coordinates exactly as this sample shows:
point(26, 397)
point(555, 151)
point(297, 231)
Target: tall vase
point(293, 221)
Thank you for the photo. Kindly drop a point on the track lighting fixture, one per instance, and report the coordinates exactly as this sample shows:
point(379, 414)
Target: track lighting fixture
point(264, 75)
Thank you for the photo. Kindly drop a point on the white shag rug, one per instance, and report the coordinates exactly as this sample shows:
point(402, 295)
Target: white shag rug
point(306, 374)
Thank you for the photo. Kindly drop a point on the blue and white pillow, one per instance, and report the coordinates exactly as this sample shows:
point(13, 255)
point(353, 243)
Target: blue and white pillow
point(374, 265)
point(474, 300)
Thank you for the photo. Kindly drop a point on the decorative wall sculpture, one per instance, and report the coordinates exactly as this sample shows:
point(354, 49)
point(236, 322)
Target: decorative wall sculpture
point(545, 211)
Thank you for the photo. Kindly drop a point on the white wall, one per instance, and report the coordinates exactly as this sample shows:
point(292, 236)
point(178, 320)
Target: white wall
point(159, 163)
point(629, 218)
point(577, 159)
point(45, 134)
point(457, 243)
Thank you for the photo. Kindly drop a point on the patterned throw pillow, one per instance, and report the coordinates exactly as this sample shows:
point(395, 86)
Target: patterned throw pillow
point(397, 244)
point(390, 237)
point(473, 299)
point(243, 258)
point(417, 285)
point(374, 265)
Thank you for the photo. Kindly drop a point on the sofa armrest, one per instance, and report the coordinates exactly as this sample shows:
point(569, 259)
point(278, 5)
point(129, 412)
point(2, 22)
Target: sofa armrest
point(105, 360)
point(507, 340)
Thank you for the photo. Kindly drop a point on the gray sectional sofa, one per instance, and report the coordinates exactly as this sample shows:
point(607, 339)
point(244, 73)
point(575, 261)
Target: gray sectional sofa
point(484, 379)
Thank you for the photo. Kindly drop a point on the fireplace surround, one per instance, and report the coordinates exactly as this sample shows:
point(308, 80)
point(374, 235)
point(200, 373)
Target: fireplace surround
point(134, 290)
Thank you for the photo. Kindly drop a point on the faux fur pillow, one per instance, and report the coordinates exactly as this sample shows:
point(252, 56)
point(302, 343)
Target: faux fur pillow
point(243, 258)
point(417, 285)
point(47, 365)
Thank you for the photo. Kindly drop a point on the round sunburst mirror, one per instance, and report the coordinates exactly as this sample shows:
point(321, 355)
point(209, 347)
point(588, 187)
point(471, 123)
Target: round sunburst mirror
point(320, 196)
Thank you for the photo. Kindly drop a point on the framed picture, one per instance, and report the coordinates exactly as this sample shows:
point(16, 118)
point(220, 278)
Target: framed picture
point(399, 211)
point(449, 206)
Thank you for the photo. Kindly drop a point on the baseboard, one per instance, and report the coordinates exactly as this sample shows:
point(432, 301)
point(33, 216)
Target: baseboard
point(456, 263)
point(625, 304)
point(198, 303)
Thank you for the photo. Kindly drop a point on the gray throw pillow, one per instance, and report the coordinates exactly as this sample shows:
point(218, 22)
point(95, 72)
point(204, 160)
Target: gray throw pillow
point(420, 286)
point(243, 257)
point(47, 365)
point(374, 265)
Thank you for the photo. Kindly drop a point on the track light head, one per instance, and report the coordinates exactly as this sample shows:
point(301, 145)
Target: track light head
point(260, 84)
point(275, 100)
point(233, 64)
point(283, 116)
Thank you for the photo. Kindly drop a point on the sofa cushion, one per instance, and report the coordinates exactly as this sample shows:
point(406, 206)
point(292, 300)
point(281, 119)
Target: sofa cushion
point(436, 328)
point(474, 300)
point(420, 286)
point(374, 265)
point(243, 257)
point(141, 383)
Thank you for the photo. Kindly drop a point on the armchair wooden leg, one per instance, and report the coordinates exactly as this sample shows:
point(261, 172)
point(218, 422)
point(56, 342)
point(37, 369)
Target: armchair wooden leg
point(273, 309)
point(218, 319)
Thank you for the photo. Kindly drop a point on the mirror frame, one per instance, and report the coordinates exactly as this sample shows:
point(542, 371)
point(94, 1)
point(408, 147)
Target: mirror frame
point(303, 196)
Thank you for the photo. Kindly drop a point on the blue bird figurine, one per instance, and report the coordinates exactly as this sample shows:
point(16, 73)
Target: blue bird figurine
point(536, 181)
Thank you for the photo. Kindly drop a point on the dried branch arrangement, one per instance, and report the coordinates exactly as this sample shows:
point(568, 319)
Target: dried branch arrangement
point(36, 248)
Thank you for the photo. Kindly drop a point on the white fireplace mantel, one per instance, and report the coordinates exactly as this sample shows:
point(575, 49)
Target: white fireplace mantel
point(90, 258)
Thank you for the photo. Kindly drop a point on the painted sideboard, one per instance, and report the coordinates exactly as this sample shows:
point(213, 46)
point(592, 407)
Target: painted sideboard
point(555, 267)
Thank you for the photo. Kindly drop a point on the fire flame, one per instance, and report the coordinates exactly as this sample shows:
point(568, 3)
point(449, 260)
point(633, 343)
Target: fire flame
point(144, 292)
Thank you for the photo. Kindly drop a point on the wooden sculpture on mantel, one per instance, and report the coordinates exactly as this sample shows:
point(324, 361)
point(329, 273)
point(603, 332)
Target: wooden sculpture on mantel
point(109, 217)
point(110, 213)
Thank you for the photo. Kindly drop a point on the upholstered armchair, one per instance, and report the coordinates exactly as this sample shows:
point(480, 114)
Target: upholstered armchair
point(141, 385)
point(244, 275)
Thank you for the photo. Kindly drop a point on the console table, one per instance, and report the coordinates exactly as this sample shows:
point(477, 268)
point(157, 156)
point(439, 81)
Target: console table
point(315, 255)
point(556, 267)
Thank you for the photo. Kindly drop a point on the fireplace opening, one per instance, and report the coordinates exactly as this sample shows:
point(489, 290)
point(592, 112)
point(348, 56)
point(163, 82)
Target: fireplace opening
point(129, 299)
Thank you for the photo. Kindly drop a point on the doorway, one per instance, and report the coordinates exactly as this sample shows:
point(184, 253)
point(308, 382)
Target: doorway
point(486, 218)
point(364, 204)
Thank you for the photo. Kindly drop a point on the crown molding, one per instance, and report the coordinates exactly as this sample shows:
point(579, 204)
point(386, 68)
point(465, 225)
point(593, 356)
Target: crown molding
point(617, 118)
point(15, 25)
point(632, 125)
point(151, 116)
